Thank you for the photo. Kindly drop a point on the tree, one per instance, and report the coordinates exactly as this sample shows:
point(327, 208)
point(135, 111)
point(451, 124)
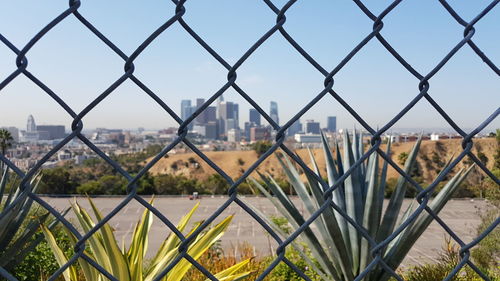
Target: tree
point(6, 140)
point(261, 147)
point(56, 181)
point(402, 158)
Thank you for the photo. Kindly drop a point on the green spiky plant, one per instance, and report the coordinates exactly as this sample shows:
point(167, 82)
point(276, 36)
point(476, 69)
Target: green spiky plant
point(20, 220)
point(338, 247)
point(128, 264)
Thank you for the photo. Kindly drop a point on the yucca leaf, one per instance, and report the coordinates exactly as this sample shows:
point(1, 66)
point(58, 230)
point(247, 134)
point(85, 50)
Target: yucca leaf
point(338, 194)
point(353, 197)
point(18, 251)
point(372, 206)
point(295, 218)
point(397, 197)
point(3, 182)
point(197, 248)
point(322, 260)
point(168, 250)
point(382, 184)
point(405, 216)
point(227, 273)
point(95, 241)
point(297, 184)
point(117, 261)
point(172, 240)
point(89, 271)
point(331, 233)
point(70, 273)
point(415, 230)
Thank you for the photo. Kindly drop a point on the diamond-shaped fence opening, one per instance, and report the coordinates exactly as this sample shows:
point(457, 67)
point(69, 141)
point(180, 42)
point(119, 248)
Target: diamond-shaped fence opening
point(323, 192)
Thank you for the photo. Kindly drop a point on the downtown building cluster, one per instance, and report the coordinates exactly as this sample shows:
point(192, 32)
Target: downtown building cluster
point(222, 122)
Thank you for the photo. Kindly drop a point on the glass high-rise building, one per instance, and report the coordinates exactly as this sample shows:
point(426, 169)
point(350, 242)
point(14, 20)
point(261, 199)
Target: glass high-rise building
point(186, 111)
point(273, 112)
point(295, 128)
point(254, 116)
point(331, 124)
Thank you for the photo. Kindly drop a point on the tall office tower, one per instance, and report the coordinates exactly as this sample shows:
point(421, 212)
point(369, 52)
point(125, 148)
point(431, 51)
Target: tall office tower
point(226, 112)
point(200, 119)
point(312, 127)
point(295, 128)
point(273, 112)
point(254, 116)
point(219, 122)
point(186, 111)
point(331, 124)
point(236, 115)
point(31, 125)
point(210, 114)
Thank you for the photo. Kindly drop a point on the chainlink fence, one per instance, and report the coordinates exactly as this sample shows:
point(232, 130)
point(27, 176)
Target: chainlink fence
point(421, 79)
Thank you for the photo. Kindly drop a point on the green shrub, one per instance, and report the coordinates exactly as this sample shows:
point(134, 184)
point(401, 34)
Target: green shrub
point(261, 147)
point(486, 255)
point(282, 272)
point(40, 263)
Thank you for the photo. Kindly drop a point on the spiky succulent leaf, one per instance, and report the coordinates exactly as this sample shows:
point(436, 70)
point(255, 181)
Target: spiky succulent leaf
point(394, 207)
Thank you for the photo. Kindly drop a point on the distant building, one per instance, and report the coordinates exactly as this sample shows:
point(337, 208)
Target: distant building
point(226, 111)
point(236, 115)
point(259, 133)
point(31, 125)
point(200, 119)
point(273, 112)
point(210, 114)
point(434, 137)
point(254, 116)
point(234, 135)
point(331, 124)
point(312, 127)
point(13, 131)
point(51, 132)
point(308, 138)
point(295, 128)
point(248, 126)
point(211, 130)
point(186, 111)
point(64, 155)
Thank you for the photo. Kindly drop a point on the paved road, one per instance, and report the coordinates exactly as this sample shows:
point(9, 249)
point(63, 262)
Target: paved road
point(460, 215)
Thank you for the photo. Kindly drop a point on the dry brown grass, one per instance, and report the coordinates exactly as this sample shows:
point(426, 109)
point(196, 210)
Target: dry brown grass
point(230, 163)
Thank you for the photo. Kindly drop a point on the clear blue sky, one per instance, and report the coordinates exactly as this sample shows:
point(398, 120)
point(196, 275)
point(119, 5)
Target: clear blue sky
point(78, 66)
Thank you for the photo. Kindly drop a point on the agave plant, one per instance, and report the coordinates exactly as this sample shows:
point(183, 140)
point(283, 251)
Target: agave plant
point(128, 264)
point(19, 219)
point(339, 248)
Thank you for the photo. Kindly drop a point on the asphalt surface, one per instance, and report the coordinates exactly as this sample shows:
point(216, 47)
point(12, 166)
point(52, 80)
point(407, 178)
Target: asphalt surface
point(462, 216)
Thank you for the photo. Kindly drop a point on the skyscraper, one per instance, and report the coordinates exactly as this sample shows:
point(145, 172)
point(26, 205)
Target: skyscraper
point(200, 119)
point(210, 114)
point(236, 115)
point(31, 125)
point(226, 112)
point(186, 111)
point(273, 112)
point(331, 123)
point(254, 116)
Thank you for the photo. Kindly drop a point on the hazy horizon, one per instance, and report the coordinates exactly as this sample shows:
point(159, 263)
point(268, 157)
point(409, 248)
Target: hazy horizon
point(78, 66)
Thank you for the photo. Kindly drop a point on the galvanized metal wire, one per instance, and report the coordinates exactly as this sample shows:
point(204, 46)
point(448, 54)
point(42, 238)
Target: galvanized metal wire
point(421, 93)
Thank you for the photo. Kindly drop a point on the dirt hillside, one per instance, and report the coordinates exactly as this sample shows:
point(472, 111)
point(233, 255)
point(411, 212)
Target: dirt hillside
point(432, 155)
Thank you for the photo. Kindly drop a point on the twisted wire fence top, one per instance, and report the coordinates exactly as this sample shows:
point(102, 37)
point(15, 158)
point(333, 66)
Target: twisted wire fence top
point(421, 92)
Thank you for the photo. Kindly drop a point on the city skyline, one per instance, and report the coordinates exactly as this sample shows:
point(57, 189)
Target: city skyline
point(180, 69)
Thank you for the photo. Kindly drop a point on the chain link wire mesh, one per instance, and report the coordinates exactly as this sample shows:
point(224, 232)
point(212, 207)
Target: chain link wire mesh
point(422, 93)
